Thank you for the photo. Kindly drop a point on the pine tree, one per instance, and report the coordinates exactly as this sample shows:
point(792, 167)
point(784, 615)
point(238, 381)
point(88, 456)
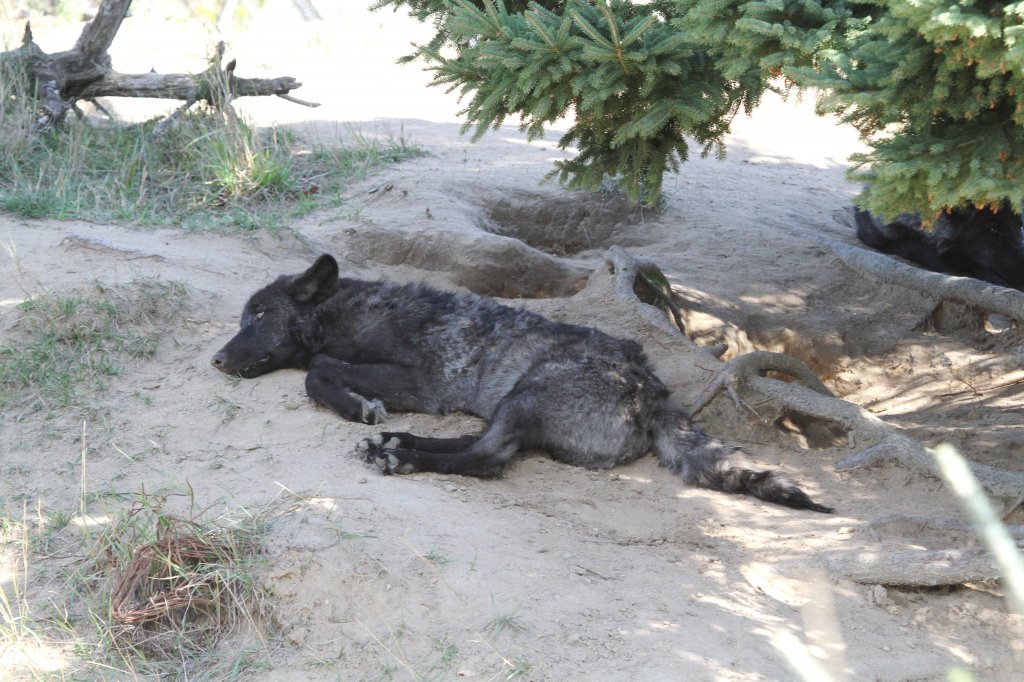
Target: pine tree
point(934, 86)
point(640, 92)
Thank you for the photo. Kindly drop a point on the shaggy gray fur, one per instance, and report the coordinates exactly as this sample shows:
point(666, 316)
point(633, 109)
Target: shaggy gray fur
point(585, 397)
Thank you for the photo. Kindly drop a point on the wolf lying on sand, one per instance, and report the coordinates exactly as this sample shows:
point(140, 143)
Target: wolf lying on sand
point(586, 398)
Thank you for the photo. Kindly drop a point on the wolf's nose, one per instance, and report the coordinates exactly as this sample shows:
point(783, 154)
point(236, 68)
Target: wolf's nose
point(218, 359)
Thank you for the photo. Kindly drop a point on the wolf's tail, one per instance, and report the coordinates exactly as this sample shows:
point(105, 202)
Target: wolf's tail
point(707, 462)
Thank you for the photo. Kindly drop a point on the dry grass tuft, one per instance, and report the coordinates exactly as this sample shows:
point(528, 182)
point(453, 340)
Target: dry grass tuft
point(183, 586)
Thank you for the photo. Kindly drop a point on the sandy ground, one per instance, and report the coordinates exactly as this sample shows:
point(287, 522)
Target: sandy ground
point(553, 572)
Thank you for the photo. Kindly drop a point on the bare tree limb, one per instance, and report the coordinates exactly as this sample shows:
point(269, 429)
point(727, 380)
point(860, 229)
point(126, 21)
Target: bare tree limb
point(183, 86)
point(296, 100)
point(85, 72)
point(168, 121)
point(99, 33)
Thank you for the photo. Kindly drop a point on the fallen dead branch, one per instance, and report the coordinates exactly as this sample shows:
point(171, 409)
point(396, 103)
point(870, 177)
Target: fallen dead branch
point(59, 80)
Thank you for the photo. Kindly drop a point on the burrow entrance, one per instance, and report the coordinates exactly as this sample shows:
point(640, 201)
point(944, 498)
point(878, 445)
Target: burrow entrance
point(566, 225)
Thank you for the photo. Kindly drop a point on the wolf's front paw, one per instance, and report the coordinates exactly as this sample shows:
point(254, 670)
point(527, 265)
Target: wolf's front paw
point(373, 412)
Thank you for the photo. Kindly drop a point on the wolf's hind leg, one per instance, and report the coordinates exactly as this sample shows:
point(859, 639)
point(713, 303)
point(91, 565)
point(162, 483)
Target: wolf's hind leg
point(482, 456)
point(388, 440)
point(393, 453)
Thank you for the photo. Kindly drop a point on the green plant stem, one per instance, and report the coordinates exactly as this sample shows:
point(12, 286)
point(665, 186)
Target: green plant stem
point(993, 533)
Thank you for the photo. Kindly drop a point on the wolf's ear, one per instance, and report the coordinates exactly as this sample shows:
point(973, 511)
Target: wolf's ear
point(317, 282)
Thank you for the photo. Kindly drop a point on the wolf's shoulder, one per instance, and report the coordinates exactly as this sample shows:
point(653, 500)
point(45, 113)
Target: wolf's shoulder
point(415, 303)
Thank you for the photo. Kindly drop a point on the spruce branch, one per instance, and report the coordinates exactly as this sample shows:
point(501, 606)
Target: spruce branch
point(939, 96)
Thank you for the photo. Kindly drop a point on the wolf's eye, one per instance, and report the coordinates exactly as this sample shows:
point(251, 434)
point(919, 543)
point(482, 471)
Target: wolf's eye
point(260, 314)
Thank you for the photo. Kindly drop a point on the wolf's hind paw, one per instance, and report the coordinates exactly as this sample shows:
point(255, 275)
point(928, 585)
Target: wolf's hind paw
point(371, 447)
point(377, 443)
point(378, 449)
point(390, 464)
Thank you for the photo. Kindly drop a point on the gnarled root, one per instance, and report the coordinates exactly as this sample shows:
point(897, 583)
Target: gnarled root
point(904, 525)
point(912, 454)
point(973, 293)
point(808, 397)
point(804, 398)
point(745, 378)
point(639, 280)
point(745, 367)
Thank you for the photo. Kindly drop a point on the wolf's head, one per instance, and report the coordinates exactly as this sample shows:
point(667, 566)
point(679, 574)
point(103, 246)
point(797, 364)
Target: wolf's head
point(270, 334)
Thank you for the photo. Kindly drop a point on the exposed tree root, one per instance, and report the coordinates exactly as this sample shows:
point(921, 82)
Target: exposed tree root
point(911, 454)
point(757, 364)
point(634, 276)
point(963, 290)
point(913, 568)
point(807, 396)
point(745, 379)
point(810, 398)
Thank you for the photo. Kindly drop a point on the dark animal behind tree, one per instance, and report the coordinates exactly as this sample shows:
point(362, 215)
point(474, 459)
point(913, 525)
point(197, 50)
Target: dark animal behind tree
point(975, 242)
point(585, 397)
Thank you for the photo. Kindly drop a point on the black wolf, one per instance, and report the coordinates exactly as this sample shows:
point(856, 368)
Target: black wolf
point(585, 397)
point(975, 242)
